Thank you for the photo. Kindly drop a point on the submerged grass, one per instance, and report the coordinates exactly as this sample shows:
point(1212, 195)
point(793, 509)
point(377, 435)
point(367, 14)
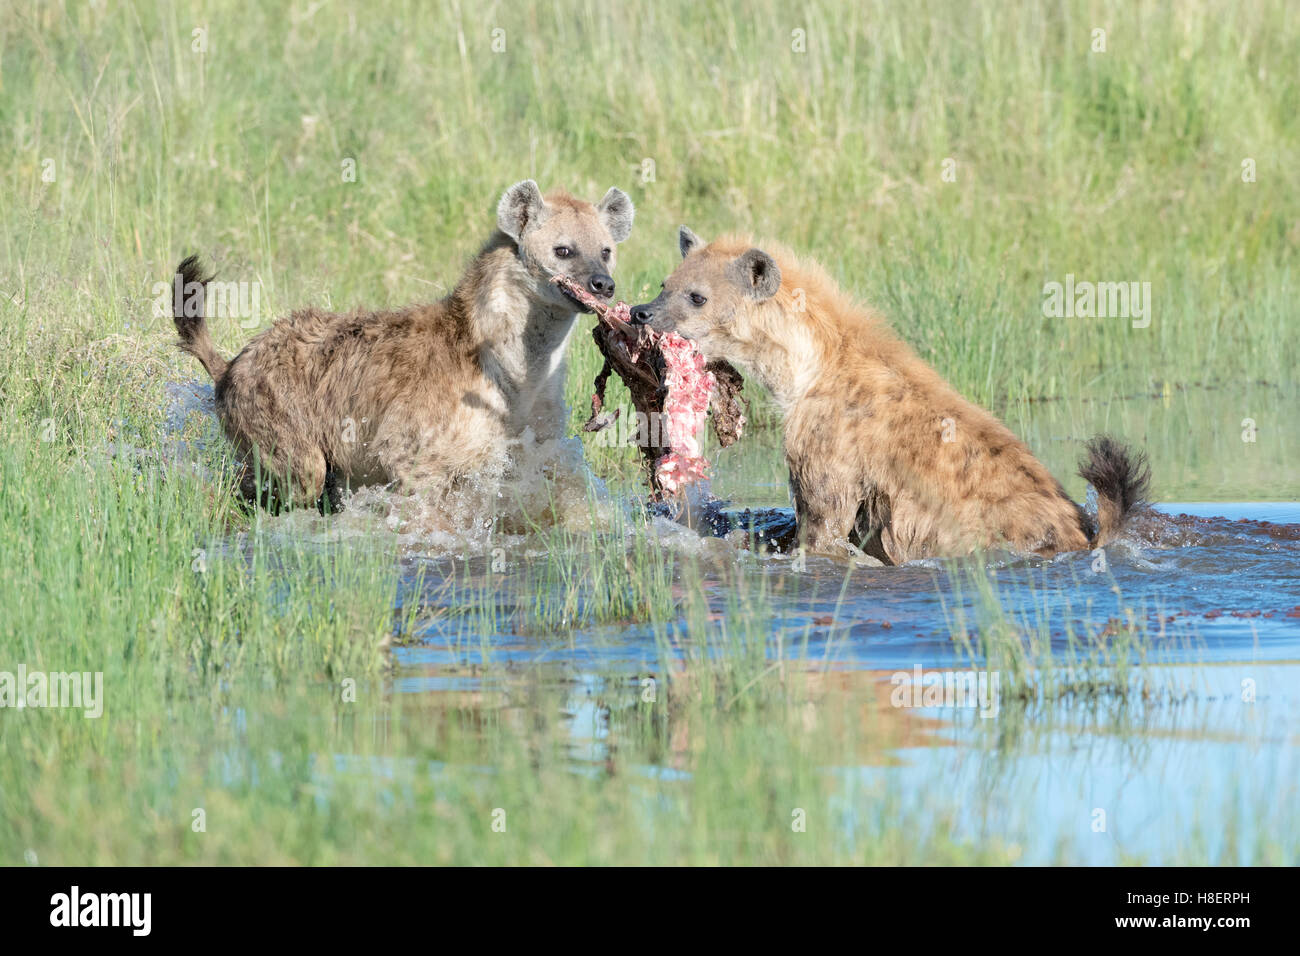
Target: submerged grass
point(249, 711)
point(1041, 654)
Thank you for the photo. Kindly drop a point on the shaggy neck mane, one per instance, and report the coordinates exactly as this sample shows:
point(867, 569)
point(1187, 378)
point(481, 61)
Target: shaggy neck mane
point(497, 290)
point(492, 263)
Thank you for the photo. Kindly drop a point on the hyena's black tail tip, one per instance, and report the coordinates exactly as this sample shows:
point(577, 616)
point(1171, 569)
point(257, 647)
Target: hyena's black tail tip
point(188, 274)
point(191, 268)
point(1122, 479)
point(188, 314)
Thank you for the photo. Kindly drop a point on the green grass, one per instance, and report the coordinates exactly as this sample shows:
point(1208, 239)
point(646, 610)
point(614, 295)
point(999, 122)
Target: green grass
point(228, 642)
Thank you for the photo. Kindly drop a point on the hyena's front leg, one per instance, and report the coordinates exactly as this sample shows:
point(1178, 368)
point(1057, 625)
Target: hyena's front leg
point(426, 456)
point(824, 516)
point(412, 464)
point(550, 416)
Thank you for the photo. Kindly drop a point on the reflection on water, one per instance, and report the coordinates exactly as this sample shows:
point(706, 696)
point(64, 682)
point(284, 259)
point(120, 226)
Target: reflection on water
point(1216, 736)
point(1214, 777)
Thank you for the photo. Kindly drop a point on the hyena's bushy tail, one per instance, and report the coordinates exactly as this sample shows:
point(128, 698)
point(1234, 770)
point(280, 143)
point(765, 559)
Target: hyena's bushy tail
point(1121, 478)
point(187, 313)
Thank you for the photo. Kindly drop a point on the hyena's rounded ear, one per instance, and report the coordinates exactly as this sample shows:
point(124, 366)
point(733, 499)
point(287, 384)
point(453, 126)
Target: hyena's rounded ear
point(687, 240)
point(616, 212)
point(521, 206)
point(757, 273)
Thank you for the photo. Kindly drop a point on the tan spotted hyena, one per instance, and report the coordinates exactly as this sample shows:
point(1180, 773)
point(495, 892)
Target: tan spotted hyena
point(427, 395)
point(883, 453)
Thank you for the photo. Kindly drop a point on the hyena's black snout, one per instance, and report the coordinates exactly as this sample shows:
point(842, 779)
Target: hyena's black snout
point(646, 314)
point(601, 284)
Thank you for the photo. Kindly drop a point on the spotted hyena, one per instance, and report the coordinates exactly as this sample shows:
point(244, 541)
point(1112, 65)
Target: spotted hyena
point(422, 396)
point(883, 453)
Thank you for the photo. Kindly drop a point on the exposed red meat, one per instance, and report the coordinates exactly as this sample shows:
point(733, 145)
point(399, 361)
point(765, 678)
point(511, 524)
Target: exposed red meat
point(671, 388)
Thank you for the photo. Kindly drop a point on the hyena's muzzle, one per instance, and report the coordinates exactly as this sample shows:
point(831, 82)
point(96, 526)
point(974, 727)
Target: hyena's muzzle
point(593, 278)
point(657, 314)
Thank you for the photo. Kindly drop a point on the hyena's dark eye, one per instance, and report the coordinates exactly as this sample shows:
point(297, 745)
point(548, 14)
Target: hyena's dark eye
point(604, 254)
point(697, 300)
point(562, 252)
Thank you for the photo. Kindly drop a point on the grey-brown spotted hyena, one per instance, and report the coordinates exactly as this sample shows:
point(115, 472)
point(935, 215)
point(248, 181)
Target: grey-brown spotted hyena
point(883, 453)
point(423, 396)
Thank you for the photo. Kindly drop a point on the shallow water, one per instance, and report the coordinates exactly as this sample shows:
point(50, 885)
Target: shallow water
point(1212, 588)
point(1216, 737)
point(1205, 588)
